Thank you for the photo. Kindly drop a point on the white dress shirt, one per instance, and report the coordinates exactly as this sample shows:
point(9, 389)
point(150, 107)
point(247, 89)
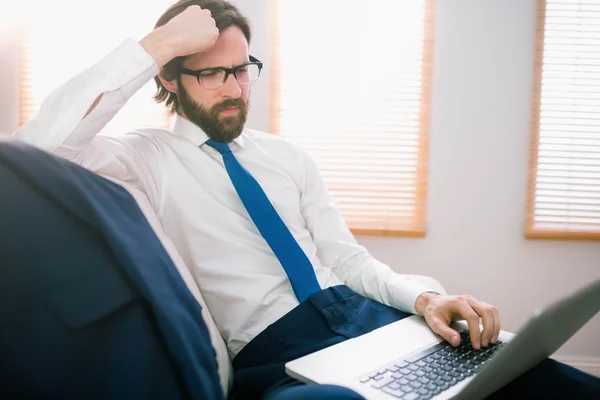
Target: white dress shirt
point(244, 285)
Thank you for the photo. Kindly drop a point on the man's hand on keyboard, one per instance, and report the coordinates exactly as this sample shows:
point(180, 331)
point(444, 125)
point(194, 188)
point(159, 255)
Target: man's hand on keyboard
point(440, 311)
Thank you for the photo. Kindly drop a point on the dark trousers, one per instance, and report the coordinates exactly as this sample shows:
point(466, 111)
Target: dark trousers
point(337, 314)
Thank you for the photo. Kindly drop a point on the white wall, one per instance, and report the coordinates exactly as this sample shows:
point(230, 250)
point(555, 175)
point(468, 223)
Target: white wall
point(479, 147)
point(483, 66)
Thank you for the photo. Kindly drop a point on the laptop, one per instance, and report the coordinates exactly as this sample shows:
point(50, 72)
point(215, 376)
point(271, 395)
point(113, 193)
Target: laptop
point(406, 360)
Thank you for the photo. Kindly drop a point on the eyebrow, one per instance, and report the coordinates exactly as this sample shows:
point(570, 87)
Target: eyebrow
point(220, 66)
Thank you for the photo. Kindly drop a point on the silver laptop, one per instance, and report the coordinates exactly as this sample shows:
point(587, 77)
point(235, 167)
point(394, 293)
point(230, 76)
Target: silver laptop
point(407, 360)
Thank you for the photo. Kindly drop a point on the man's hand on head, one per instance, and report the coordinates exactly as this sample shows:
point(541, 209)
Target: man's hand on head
point(440, 311)
point(192, 31)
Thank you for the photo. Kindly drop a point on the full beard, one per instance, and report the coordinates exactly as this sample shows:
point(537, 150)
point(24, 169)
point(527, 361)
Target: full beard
point(223, 129)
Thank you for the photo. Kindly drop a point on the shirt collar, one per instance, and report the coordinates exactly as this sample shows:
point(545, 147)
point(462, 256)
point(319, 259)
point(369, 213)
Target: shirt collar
point(192, 132)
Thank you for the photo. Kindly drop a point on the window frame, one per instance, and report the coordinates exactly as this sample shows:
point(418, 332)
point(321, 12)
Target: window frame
point(531, 232)
point(418, 228)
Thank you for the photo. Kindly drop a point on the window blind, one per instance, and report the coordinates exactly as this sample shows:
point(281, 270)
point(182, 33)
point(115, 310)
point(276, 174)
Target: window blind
point(64, 37)
point(564, 178)
point(351, 85)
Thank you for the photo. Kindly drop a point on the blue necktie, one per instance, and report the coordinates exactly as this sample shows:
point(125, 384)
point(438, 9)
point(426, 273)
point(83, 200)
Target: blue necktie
point(295, 263)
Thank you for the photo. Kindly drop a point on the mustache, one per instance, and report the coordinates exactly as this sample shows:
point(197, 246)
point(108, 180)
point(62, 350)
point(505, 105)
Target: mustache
point(217, 108)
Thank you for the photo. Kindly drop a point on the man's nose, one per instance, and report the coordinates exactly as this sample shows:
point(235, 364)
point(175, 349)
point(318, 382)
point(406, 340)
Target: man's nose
point(231, 87)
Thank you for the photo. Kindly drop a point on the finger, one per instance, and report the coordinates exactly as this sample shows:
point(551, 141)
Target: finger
point(487, 316)
point(441, 327)
point(496, 324)
point(466, 311)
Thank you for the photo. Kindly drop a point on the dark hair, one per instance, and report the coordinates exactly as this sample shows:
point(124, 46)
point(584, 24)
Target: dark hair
point(225, 15)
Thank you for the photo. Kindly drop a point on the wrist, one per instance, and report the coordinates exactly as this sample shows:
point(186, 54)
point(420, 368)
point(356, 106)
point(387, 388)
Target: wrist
point(160, 46)
point(423, 301)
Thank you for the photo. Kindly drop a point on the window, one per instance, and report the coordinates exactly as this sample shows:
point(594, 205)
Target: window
point(564, 178)
point(63, 37)
point(351, 85)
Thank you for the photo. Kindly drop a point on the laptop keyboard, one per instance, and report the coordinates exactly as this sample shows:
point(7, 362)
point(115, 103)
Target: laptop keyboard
point(424, 374)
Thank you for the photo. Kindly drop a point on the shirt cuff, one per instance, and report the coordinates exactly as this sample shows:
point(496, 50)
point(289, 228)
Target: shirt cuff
point(136, 67)
point(404, 292)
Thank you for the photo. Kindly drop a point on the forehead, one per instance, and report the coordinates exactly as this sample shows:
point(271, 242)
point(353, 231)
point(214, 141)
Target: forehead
point(231, 49)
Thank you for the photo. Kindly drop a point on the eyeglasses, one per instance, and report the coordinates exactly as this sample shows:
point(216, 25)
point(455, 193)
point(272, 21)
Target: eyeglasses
point(214, 78)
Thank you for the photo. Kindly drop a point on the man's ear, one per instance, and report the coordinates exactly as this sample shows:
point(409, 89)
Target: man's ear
point(171, 86)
